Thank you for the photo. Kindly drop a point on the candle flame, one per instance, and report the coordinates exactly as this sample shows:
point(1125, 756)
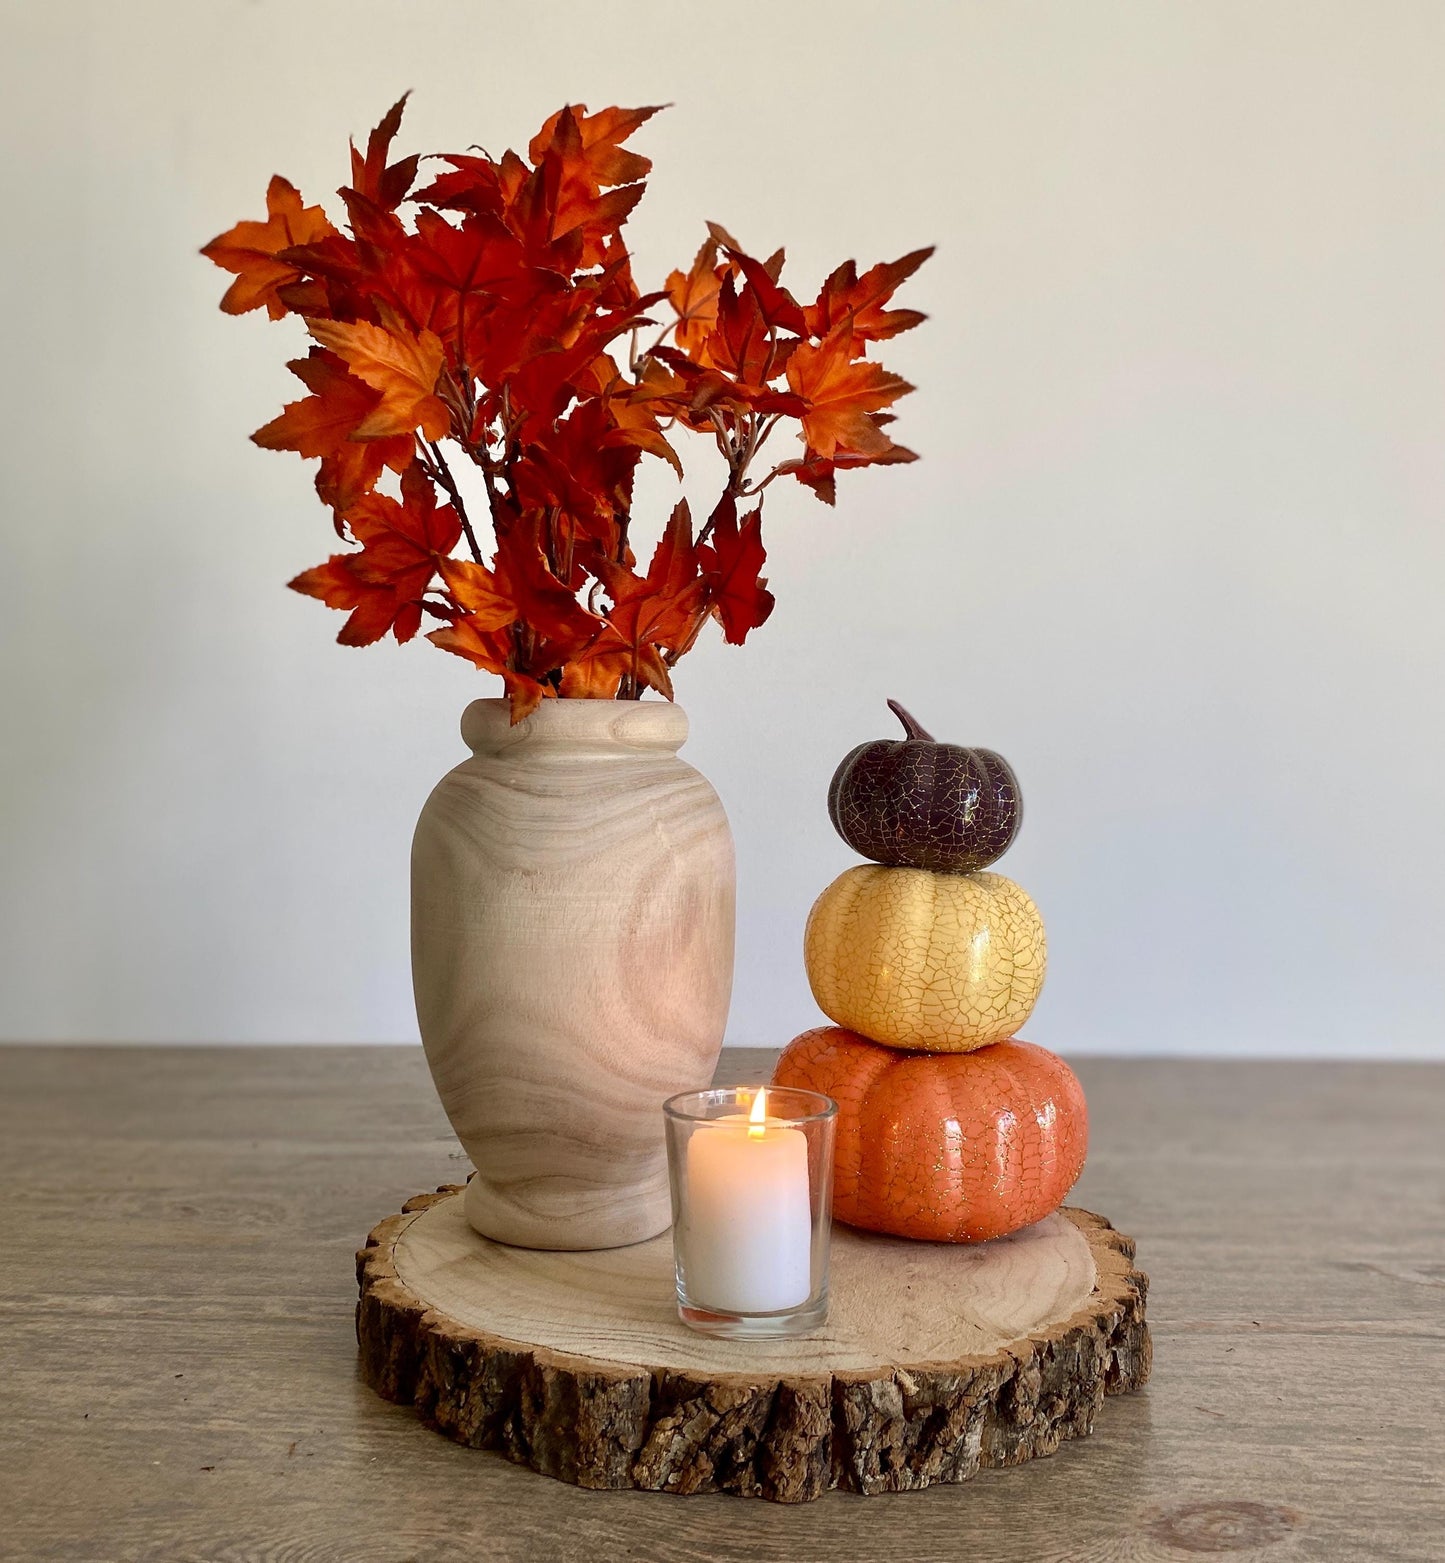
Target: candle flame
point(757, 1118)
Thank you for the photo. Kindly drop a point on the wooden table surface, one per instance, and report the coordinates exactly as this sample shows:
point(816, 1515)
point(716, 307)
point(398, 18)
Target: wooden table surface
point(177, 1363)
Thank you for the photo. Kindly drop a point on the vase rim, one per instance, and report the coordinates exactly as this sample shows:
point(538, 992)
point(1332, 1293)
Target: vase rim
point(616, 725)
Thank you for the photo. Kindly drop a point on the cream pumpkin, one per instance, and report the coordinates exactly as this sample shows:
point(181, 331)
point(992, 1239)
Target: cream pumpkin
point(938, 963)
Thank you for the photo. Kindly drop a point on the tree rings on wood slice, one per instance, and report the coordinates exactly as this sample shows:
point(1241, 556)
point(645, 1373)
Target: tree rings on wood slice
point(936, 1360)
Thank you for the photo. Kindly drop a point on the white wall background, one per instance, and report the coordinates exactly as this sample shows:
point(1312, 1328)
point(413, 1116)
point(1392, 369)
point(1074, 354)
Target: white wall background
point(1175, 545)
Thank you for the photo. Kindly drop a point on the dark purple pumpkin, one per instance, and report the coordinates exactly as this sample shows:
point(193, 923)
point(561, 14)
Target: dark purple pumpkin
point(917, 803)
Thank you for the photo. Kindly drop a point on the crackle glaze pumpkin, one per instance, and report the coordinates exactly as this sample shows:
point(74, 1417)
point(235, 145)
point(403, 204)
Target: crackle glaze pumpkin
point(917, 803)
point(933, 962)
point(952, 1148)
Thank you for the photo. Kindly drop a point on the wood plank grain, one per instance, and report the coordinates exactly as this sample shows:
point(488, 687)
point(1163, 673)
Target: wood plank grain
point(1291, 1217)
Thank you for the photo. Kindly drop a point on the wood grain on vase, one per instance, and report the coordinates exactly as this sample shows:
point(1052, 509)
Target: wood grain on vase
point(572, 954)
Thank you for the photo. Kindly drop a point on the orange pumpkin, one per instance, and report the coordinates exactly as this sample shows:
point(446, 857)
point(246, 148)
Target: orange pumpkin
point(951, 1147)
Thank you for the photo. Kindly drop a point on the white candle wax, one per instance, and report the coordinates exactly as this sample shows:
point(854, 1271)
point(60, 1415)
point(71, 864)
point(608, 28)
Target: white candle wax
point(748, 1233)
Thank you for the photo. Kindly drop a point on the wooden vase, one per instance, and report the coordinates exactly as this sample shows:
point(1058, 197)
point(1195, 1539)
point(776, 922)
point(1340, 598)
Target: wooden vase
point(572, 956)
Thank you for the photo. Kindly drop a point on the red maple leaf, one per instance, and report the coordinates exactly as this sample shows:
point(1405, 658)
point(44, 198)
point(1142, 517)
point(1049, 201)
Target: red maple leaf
point(560, 624)
point(581, 470)
point(449, 278)
point(817, 472)
point(553, 625)
point(737, 594)
point(472, 184)
point(545, 379)
point(371, 176)
point(562, 209)
point(403, 547)
point(777, 307)
point(650, 614)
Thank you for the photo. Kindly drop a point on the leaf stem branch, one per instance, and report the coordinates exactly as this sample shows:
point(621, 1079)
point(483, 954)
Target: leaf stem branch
point(443, 475)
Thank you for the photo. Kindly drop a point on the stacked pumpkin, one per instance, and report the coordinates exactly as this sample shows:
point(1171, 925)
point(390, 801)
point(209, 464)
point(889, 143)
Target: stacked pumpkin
point(950, 1127)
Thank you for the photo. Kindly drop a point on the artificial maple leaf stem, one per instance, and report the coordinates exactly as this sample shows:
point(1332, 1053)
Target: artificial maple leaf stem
point(686, 643)
point(509, 469)
point(761, 431)
point(662, 336)
point(711, 521)
point(510, 444)
point(455, 393)
point(443, 475)
point(489, 477)
point(737, 460)
point(749, 489)
point(750, 445)
point(554, 555)
point(724, 439)
point(510, 425)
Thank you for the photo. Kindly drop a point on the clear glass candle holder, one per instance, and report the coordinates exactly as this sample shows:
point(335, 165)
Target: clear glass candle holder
point(752, 1208)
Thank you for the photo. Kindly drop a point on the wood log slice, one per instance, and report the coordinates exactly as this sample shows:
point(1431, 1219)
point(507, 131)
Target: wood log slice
point(936, 1360)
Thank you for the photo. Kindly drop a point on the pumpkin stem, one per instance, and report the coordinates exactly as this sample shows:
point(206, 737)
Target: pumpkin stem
point(910, 724)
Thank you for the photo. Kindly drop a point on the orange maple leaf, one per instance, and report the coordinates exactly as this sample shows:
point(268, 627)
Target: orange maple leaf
point(491, 651)
point(694, 296)
point(404, 367)
point(599, 138)
point(484, 647)
point(249, 250)
point(520, 587)
point(319, 424)
point(635, 424)
point(372, 607)
point(597, 672)
point(323, 423)
point(479, 594)
point(847, 297)
point(841, 394)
